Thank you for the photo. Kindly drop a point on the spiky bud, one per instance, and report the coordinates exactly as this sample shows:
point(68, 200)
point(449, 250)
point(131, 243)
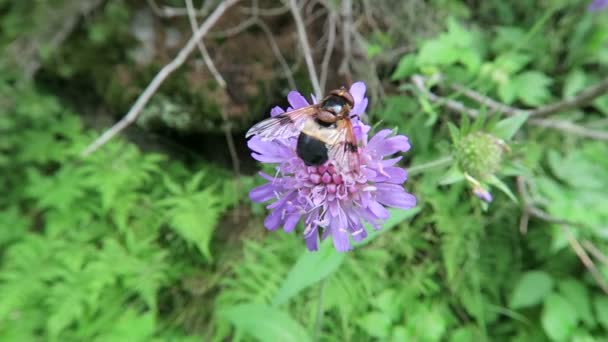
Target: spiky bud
point(479, 154)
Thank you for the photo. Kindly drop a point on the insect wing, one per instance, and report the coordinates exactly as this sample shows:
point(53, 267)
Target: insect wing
point(284, 125)
point(344, 152)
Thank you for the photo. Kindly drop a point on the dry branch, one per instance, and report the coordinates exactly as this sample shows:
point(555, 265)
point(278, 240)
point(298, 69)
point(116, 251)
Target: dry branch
point(564, 126)
point(167, 70)
point(303, 38)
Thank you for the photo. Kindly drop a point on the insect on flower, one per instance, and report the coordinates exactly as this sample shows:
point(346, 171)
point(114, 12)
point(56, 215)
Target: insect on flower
point(324, 131)
point(328, 174)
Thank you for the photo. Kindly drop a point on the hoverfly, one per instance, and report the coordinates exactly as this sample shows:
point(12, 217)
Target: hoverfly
point(324, 131)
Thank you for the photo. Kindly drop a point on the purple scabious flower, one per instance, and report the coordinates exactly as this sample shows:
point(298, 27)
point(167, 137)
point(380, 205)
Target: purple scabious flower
point(327, 201)
point(597, 5)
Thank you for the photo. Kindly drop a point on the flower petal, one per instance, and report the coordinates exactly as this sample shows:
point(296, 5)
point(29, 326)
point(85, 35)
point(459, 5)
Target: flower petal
point(291, 222)
point(296, 100)
point(273, 221)
point(393, 195)
point(262, 193)
point(380, 146)
point(392, 174)
point(339, 235)
point(378, 210)
point(357, 90)
point(312, 238)
point(276, 111)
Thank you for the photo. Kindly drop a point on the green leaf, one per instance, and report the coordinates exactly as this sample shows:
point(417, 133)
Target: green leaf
point(265, 323)
point(575, 82)
point(576, 293)
point(558, 318)
point(309, 269)
point(600, 306)
point(533, 87)
point(405, 68)
point(505, 129)
point(531, 289)
point(313, 267)
point(397, 216)
point(376, 324)
point(495, 181)
point(453, 175)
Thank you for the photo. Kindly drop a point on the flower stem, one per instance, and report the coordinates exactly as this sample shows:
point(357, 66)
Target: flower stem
point(320, 312)
point(441, 162)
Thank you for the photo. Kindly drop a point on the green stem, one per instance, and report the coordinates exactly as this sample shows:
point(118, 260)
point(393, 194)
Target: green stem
point(441, 162)
point(320, 312)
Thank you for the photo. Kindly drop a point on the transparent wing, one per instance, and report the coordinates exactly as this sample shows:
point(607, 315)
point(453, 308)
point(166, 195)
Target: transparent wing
point(285, 125)
point(343, 152)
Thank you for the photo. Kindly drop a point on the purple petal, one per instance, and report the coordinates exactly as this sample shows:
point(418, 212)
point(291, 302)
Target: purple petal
point(393, 195)
point(378, 210)
point(597, 5)
point(483, 194)
point(339, 235)
point(381, 146)
point(392, 174)
point(312, 239)
point(276, 111)
point(359, 234)
point(273, 221)
point(262, 193)
point(296, 100)
point(357, 90)
point(291, 222)
point(268, 151)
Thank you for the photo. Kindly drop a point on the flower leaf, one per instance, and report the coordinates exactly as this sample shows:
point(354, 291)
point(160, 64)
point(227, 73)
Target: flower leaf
point(265, 323)
point(531, 289)
point(506, 129)
point(309, 269)
point(313, 267)
point(558, 317)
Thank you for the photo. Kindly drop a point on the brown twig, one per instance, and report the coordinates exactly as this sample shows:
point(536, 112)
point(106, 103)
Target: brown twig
point(172, 12)
point(201, 47)
point(459, 107)
point(569, 127)
point(303, 38)
point(347, 27)
point(331, 41)
point(595, 252)
point(585, 259)
point(167, 70)
point(582, 98)
point(530, 210)
point(222, 83)
point(277, 53)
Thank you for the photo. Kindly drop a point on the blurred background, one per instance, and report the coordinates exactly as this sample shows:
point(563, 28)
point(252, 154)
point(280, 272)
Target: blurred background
point(150, 235)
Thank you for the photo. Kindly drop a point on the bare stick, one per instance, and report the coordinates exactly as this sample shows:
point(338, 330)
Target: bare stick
point(460, 108)
point(222, 83)
point(347, 17)
point(277, 53)
point(569, 127)
point(585, 259)
point(201, 47)
point(582, 98)
point(233, 31)
point(143, 99)
point(172, 12)
point(596, 252)
point(530, 209)
point(331, 41)
point(312, 73)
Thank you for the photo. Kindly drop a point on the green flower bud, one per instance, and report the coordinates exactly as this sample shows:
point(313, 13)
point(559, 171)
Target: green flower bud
point(480, 154)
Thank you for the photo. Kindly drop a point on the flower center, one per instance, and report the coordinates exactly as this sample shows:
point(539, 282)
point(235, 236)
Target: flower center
point(325, 175)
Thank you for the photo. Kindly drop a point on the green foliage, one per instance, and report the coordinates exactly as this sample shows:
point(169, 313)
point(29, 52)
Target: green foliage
point(130, 244)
